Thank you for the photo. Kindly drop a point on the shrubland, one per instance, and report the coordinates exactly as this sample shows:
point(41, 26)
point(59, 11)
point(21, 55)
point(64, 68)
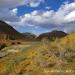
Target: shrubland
point(40, 58)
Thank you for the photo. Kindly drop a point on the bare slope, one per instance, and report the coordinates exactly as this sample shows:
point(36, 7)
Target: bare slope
point(9, 31)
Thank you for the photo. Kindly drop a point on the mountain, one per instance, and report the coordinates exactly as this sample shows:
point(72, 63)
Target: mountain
point(52, 35)
point(8, 32)
point(29, 36)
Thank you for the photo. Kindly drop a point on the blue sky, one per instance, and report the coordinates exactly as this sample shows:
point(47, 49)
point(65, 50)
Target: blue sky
point(53, 4)
point(38, 16)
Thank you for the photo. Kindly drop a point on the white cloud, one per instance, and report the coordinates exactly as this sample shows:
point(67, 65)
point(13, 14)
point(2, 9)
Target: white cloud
point(14, 3)
point(48, 7)
point(14, 11)
point(9, 10)
point(63, 18)
point(34, 3)
point(37, 18)
point(9, 15)
point(70, 17)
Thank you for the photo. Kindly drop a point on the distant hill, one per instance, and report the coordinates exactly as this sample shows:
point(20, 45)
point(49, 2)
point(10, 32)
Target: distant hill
point(29, 36)
point(8, 32)
point(52, 35)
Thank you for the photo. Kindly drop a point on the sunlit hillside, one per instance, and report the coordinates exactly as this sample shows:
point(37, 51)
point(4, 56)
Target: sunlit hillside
point(39, 58)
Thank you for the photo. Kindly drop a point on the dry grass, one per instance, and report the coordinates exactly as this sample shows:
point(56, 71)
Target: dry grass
point(40, 58)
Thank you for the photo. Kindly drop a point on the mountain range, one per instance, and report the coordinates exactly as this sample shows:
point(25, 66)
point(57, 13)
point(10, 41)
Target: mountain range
point(52, 35)
point(8, 32)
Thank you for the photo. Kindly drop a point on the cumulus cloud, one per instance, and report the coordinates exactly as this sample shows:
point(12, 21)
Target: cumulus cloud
point(9, 15)
point(38, 18)
point(9, 10)
point(63, 18)
point(70, 17)
point(14, 11)
point(14, 3)
point(48, 7)
point(34, 3)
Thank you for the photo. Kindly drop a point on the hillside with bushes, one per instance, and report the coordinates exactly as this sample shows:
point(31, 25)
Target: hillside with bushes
point(40, 58)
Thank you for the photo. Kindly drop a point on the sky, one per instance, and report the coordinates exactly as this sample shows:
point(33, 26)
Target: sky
point(39, 16)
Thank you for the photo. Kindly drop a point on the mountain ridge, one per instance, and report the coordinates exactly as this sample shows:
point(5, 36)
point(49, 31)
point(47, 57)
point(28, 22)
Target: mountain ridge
point(8, 30)
point(12, 34)
point(52, 35)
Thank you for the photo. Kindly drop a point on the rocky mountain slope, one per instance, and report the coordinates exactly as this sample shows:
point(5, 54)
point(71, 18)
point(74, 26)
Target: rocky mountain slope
point(8, 32)
point(52, 35)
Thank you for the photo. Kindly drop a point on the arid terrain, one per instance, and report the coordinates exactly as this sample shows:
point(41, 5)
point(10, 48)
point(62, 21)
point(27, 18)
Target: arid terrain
point(37, 37)
point(50, 53)
point(39, 58)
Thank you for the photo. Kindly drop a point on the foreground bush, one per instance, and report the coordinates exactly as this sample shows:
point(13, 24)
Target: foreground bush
point(2, 46)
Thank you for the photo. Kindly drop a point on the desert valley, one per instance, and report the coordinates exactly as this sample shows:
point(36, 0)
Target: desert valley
point(37, 37)
point(51, 53)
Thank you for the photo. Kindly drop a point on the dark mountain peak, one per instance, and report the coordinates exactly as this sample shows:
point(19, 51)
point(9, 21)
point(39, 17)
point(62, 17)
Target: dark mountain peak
point(3, 24)
point(1, 21)
point(55, 32)
point(6, 29)
point(52, 35)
